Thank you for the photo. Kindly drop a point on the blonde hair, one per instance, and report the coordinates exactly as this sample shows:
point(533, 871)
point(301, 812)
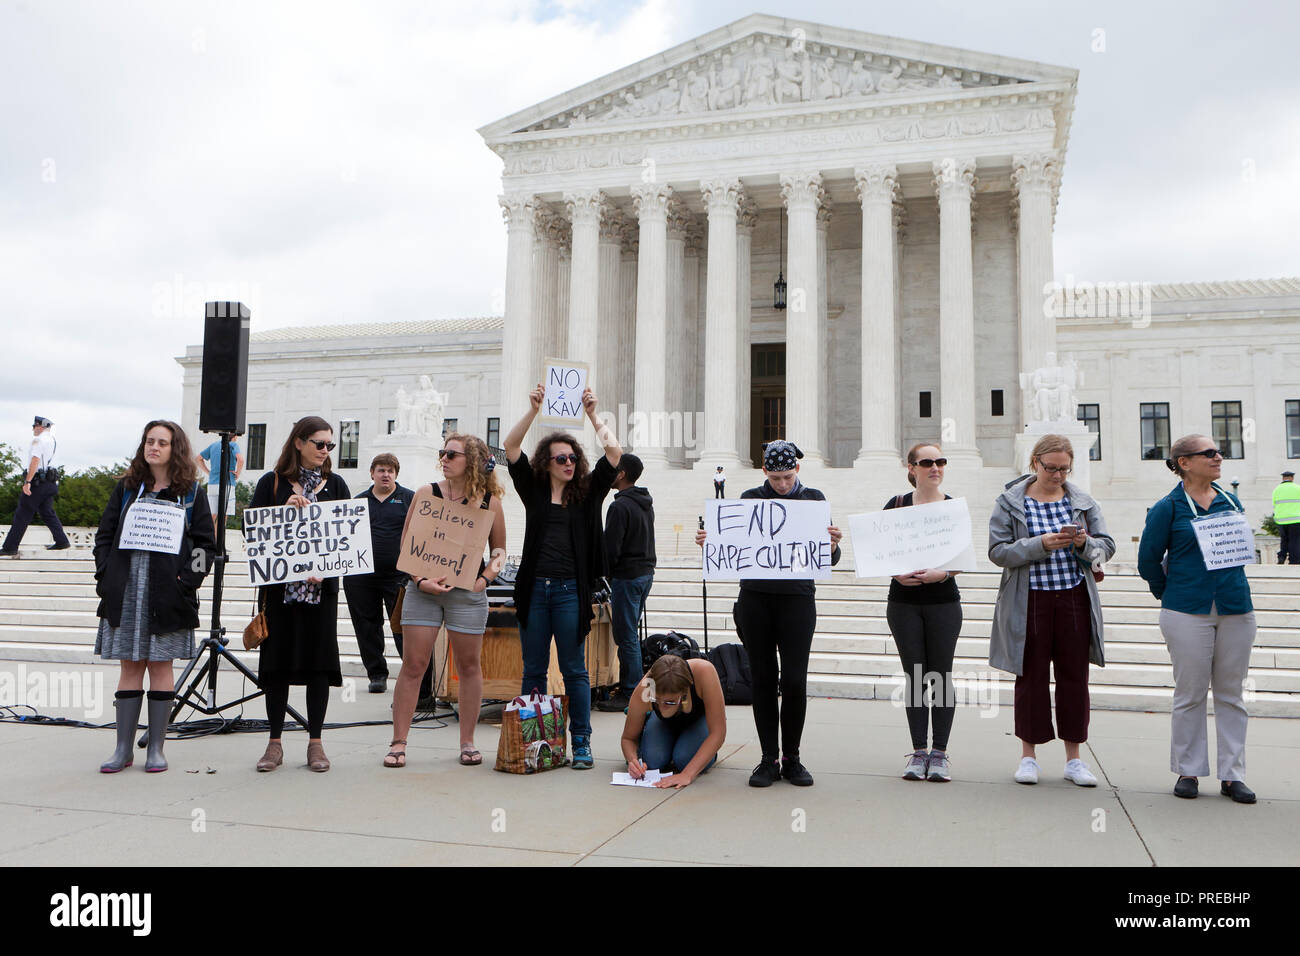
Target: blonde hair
point(478, 480)
point(671, 674)
point(1050, 444)
point(911, 457)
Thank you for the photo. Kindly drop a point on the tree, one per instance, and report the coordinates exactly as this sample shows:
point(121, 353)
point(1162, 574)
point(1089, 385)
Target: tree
point(84, 494)
point(11, 482)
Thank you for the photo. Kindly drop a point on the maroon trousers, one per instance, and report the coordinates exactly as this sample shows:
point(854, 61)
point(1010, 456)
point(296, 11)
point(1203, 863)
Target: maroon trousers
point(1058, 633)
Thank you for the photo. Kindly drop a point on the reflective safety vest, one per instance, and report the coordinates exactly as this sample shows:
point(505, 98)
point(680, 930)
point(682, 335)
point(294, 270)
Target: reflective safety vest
point(1286, 503)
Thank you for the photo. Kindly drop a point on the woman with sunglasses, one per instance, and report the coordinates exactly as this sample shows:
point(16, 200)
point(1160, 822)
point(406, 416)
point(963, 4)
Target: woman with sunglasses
point(924, 614)
point(563, 554)
point(676, 721)
point(302, 645)
point(775, 616)
point(1207, 620)
point(1048, 535)
point(468, 477)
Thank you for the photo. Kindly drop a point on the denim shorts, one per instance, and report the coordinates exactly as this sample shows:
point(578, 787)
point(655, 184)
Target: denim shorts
point(463, 611)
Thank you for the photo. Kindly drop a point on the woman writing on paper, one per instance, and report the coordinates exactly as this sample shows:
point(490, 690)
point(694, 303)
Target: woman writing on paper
point(468, 470)
point(1206, 617)
point(302, 645)
point(779, 616)
point(676, 721)
point(924, 614)
point(563, 554)
point(149, 604)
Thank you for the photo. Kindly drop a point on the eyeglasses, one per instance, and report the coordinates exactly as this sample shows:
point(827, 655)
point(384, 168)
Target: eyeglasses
point(931, 462)
point(1210, 453)
point(451, 455)
point(670, 703)
point(1055, 470)
point(322, 445)
point(565, 459)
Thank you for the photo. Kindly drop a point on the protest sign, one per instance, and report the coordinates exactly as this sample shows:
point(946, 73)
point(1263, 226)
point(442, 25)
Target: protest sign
point(152, 525)
point(1226, 540)
point(444, 538)
point(902, 540)
point(565, 382)
point(327, 539)
point(767, 538)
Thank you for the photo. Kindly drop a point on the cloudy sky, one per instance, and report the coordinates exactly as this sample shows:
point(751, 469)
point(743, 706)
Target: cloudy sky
point(319, 161)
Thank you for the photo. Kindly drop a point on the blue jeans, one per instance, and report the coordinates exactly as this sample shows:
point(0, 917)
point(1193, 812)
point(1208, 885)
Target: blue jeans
point(629, 596)
point(554, 611)
point(659, 747)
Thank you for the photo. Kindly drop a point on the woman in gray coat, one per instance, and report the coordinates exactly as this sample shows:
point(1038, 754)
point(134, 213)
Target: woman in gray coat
point(1049, 537)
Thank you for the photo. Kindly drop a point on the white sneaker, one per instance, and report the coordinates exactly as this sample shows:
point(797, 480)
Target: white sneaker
point(1076, 771)
point(1027, 772)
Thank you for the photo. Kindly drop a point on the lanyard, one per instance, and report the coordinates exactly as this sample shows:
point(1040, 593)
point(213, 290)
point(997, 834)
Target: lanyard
point(1226, 497)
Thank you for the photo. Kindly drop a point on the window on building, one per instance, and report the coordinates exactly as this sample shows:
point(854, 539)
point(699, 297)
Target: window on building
point(494, 433)
point(349, 443)
point(1293, 429)
point(255, 458)
point(1090, 415)
point(392, 423)
point(925, 405)
point(997, 402)
point(1225, 425)
point(449, 425)
point(773, 419)
point(769, 361)
point(1155, 430)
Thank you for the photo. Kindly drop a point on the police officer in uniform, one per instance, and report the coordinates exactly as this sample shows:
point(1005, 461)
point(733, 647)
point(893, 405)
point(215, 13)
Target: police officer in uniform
point(1286, 512)
point(39, 488)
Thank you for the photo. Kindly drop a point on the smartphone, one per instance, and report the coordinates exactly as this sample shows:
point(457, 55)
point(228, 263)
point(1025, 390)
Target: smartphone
point(1070, 529)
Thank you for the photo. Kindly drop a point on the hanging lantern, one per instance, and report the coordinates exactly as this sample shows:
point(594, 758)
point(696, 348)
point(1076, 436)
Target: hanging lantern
point(778, 287)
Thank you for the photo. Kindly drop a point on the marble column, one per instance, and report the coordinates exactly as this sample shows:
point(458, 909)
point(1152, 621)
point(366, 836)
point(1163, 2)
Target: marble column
point(627, 272)
point(609, 328)
point(803, 194)
point(677, 374)
point(745, 223)
point(558, 339)
point(954, 183)
point(878, 188)
point(585, 212)
point(650, 203)
point(517, 379)
point(721, 199)
point(824, 329)
point(1033, 177)
point(547, 321)
point(691, 344)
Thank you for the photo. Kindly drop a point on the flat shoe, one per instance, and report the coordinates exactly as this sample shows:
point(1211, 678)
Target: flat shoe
point(273, 757)
point(1187, 788)
point(398, 757)
point(1238, 790)
point(317, 762)
point(470, 757)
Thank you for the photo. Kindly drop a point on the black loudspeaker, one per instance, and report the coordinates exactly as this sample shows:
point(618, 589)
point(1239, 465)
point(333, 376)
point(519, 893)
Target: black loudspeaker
point(223, 390)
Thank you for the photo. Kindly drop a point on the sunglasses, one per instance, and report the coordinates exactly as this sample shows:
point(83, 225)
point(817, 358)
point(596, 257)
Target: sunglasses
point(931, 462)
point(1210, 453)
point(451, 455)
point(322, 445)
point(662, 702)
point(565, 459)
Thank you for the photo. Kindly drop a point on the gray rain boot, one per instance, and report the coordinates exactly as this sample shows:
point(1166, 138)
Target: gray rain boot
point(160, 708)
point(127, 704)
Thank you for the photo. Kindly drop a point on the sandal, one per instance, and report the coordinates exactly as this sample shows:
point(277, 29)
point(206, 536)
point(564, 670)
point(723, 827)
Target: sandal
point(398, 757)
point(469, 756)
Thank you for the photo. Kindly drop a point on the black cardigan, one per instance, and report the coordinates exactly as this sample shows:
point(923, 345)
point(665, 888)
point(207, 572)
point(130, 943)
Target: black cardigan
point(333, 488)
point(585, 533)
point(779, 586)
point(174, 579)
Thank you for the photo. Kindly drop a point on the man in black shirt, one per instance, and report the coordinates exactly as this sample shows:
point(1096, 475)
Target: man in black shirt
point(630, 557)
point(371, 595)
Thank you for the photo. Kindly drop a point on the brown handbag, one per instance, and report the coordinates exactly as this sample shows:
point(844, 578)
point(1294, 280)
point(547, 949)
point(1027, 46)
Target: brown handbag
point(255, 633)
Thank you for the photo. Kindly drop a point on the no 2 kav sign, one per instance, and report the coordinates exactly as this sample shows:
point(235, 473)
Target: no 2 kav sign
point(767, 538)
point(327, 539)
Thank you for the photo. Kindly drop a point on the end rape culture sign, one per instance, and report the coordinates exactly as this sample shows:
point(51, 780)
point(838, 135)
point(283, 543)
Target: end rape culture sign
point(327, 539)
point(902, 540)
point(767, 538)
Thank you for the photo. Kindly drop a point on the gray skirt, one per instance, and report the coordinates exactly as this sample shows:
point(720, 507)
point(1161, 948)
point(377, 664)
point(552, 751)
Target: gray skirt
point(131, 640)
point(463, 611)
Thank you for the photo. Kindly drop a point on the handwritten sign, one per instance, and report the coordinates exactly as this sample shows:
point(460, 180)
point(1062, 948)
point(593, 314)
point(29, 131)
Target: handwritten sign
point(1226, 540)
point(767, 538)
point(565, 382)
point(444, 538)
point(327, 539)
point(153, 526)
point(903, 540)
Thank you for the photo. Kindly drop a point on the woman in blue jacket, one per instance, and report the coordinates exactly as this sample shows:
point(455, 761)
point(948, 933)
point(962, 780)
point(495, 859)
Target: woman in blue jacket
point(1207, 620)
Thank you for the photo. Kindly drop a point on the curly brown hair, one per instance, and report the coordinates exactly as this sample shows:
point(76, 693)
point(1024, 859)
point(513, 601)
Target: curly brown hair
point(478, 480)
point(182, 471)
point(576, 489)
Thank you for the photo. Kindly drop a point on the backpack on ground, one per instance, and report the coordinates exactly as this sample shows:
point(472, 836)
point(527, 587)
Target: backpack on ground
point(657, 645)
point(731, 661)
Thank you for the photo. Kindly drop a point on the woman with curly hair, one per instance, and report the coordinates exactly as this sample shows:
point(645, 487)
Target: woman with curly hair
point(563, 554)
point(149, 603)
point(468, 478)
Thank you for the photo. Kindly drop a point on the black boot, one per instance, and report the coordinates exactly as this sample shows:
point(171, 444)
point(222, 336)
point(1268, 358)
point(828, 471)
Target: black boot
point(127, 703)
point(160, 707)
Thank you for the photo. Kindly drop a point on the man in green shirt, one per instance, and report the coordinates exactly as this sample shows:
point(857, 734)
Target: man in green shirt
point(1286, 512)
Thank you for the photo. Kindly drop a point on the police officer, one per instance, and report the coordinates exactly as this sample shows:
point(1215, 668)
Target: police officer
point(1286, 512)
point(39, 488)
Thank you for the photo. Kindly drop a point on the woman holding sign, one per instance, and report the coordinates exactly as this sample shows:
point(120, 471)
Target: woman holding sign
point(779, 616)
point(924, 614)
point(468, 478)
point(1048, 535)
point(563, 555)
point(1206, 617)
point(302, 646)
point(148, 570)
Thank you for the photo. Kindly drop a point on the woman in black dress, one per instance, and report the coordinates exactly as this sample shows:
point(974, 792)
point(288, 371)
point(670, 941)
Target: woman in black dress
point(302, 646)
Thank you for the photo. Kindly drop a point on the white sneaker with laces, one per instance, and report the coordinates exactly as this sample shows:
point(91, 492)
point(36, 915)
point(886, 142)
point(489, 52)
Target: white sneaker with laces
point(1077, 772)
point(1027, 772)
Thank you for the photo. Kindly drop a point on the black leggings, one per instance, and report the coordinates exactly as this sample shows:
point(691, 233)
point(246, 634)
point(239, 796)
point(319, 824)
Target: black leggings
point(926, 635)
point(277, 701)
point(770, 623)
